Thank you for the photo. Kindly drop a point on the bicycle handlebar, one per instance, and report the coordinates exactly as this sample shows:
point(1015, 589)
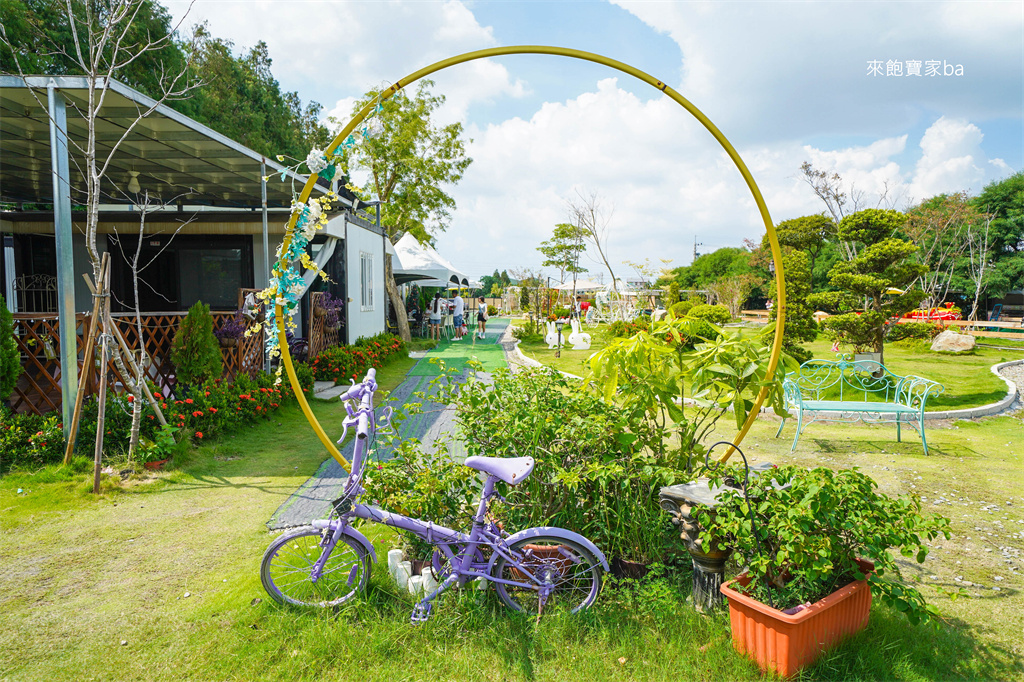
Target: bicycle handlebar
point(363, 392)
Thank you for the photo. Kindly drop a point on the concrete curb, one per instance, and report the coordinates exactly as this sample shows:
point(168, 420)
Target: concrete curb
point(530, 362)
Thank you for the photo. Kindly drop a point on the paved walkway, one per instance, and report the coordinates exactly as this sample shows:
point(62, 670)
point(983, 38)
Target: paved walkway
point(312, 500)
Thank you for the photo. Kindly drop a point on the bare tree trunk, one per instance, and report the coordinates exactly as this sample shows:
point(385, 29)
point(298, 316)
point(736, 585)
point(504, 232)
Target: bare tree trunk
point(587, 213)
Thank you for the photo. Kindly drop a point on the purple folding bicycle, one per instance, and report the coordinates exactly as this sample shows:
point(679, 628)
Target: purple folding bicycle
point(539, 570)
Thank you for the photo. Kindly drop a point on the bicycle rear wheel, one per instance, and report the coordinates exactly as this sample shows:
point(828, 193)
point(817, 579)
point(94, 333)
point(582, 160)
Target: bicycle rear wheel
point(286, 566)
point(570, 572)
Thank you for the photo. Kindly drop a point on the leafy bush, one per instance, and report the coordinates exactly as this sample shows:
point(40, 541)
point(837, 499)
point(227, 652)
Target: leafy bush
point(10, 358)
point(426, 487)
point(492, 310)
point(912, 330)
point(809, 527)
point(623, 330)
point(597, 469)
point(559, 314)
point(715, 314)
point(342, 364)
point(195, 351)
point(682, 308)
point(29, 440)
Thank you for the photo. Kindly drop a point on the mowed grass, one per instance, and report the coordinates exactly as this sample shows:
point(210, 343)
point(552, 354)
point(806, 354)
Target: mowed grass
point(80, 575)
point(967, 380)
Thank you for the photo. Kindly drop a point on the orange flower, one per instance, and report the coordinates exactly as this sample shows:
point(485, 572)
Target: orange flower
point(199, 434)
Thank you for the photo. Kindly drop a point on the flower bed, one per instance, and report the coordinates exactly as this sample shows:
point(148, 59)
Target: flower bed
point(204, 411)
point(342, 364)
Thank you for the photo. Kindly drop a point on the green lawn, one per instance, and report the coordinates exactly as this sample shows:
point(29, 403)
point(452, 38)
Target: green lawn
point(95, 588)
point(967, 379)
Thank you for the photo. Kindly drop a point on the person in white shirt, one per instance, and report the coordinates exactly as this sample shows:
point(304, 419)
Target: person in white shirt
point(460, 309)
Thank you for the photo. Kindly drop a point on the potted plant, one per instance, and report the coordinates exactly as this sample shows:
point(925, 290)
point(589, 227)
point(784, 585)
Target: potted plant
point(329, 308)
point(231, 331)
point(815, 543)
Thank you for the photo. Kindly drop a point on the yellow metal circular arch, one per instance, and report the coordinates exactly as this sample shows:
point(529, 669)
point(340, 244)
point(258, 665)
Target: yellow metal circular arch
point(780, 289)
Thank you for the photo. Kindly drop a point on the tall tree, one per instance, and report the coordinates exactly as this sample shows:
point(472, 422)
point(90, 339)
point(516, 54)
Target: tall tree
point(938, 227)
point(870, 284)
point(593, 221)
point(411, 162)
point(563, 251)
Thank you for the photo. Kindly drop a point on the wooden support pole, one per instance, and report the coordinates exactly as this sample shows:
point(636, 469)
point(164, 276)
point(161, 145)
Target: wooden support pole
point(135, 368)
point(104, 295)
point(83, 380)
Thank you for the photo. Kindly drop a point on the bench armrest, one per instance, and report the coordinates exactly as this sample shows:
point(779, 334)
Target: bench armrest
point(791, 394)
point(913, 391)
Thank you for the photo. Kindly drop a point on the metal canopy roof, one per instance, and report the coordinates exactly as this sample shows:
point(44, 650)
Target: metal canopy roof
point(172, 153)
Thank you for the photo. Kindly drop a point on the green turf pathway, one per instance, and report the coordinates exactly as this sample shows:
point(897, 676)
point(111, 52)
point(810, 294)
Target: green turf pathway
point(312, 499)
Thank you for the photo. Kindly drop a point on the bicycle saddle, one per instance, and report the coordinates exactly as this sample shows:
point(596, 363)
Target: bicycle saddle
point(509, 469)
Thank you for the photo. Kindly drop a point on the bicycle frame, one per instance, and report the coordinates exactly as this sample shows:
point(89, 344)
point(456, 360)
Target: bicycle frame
point(467, 563)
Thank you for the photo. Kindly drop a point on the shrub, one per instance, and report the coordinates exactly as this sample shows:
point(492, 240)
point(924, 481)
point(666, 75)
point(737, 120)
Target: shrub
point(559, 314)
point(349, 363)
point(195, 351)
point(623, 330)
point(10, 358)
point(29, 440)
point(596, 472)
point(715, 314)
point(492, 311)
point(682, 308)
point(912, 330)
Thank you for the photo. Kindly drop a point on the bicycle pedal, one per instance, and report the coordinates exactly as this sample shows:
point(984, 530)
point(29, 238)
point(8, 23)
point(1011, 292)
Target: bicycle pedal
point(421, 613)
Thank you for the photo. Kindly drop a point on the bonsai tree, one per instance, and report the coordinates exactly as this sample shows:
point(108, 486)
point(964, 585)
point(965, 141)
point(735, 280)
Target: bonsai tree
point(10, 358)
point(800, 531)
point(195, 351)
point(875, 286)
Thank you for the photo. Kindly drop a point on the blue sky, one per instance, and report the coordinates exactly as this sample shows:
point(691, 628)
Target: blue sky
point(785, 81)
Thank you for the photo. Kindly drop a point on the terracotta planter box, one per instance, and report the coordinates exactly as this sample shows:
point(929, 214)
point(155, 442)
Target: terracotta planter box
point(785, 643)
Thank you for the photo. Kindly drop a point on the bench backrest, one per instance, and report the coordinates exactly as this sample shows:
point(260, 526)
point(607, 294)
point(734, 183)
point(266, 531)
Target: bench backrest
point(855, 380)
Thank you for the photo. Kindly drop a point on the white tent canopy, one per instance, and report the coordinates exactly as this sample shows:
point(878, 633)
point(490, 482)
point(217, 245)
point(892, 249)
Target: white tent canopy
point(422, 264)
point(581, 285)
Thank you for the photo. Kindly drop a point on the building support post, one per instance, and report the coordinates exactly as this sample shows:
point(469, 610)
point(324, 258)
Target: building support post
point(9, 292)
point(266, 252)
point(68, 325)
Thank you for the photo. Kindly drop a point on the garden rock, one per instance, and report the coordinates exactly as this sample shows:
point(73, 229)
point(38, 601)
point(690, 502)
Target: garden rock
point(951, 342)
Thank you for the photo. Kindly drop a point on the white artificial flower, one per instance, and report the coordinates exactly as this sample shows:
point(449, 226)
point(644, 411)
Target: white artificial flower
point(315, 160)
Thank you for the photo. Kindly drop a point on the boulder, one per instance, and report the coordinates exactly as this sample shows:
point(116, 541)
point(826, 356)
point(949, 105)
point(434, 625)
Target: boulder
point(952, 342)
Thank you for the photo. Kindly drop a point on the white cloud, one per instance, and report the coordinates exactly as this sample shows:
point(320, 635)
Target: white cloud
point(952, 159)
point(323, 49)
point(668, 180)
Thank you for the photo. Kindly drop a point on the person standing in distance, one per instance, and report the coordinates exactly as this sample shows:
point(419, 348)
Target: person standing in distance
point(481, 318)
point(435, 317)
point(460, 310)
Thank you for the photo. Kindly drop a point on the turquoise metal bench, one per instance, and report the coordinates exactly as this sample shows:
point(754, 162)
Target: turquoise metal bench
point(846, 391)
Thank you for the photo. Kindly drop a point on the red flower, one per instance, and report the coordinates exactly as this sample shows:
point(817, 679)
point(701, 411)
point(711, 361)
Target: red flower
point(199, 434)
point(197, 413)
point(131, 398)
point(207, 394)
point(213, 410)
point(188, 401)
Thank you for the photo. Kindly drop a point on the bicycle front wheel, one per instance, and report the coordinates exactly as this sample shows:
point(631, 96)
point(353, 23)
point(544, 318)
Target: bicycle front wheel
point(568, 573)
point(288, 561)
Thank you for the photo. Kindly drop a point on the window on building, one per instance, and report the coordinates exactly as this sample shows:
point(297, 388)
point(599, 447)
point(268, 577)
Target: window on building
point(366, 272)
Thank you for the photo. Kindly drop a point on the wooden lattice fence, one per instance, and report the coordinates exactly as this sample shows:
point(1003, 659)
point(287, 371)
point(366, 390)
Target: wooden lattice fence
point(38, 338)
point(321, 336)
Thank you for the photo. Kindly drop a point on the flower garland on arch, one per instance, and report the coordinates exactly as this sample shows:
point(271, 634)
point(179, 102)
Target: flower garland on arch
point(287, 283)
